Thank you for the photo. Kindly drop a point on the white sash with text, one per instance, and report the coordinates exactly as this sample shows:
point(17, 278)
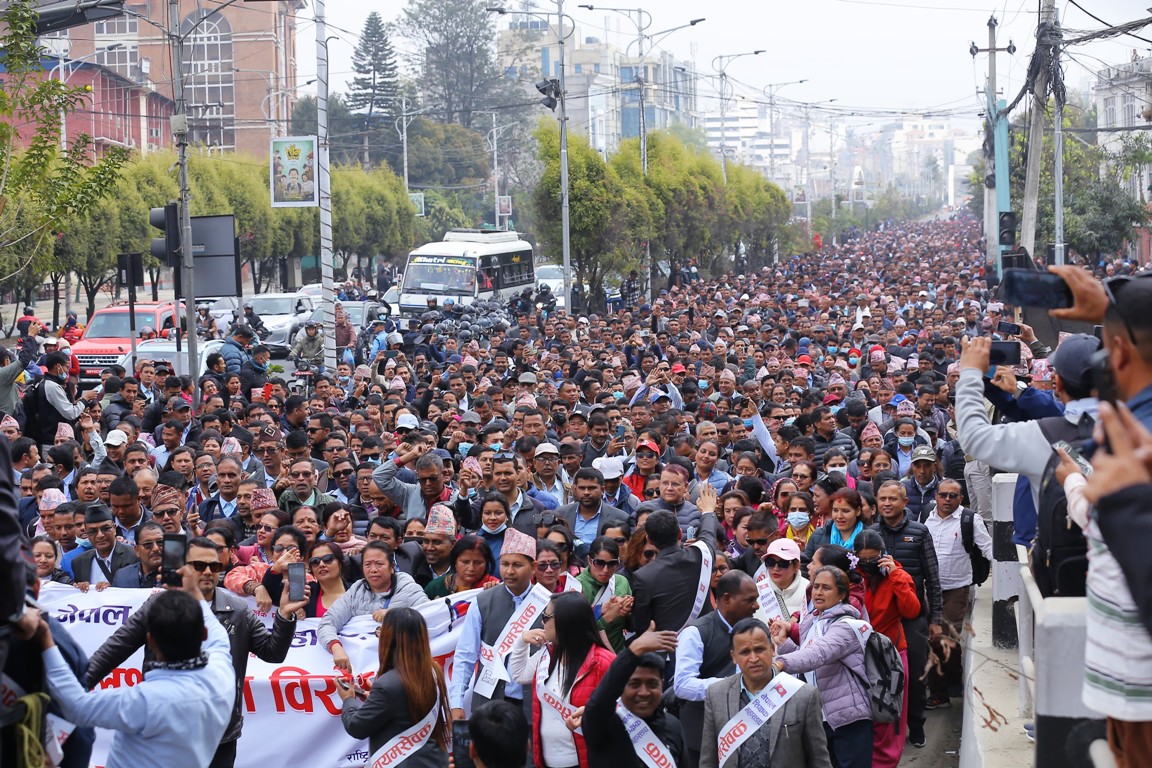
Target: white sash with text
point(645, 743)
point(705, 585)
point(407, 743)
point(755, 715)
point(492, 669)
point(548, 698)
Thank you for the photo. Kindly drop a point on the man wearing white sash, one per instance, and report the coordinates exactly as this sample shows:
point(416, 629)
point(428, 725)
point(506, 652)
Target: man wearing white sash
point(623, 723)
point(704, 654)
point(494, 622)
point(672, 590)
point(758, 718)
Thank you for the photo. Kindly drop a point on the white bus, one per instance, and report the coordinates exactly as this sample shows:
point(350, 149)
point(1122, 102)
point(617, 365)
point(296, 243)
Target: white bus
point(465, 266)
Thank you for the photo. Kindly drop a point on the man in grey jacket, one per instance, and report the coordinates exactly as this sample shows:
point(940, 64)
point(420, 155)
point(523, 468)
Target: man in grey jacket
point(415, 499)
point(246, 633)
point(801, 743)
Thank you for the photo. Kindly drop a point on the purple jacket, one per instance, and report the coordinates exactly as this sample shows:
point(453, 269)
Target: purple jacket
point(844, 695)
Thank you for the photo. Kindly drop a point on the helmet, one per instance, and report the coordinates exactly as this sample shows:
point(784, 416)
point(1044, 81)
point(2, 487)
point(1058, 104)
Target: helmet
point(311, 324)
point(544, 288)
point(394, 338)
point(465, 335)
point(247, 305)
point(448, 302)
point(427, 329)
point(72, 313)
point(147, 329)
point(465, 326)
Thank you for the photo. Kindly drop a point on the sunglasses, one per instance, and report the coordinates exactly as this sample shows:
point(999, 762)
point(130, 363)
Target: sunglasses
point(605, 563)
point(545, 519)
point(771, 562)
point(548, 566)
point(943, 495)
point(546, 617)
point(369, 456)
point(104, 529)
point(285, 548)
point(801, 477)
point(150, 545)
point(343, 473)
point(325, 559)
point(651, 494)
point(265, 528)
point(215, 566)
point(267, 449)
point(300, 475)
point(165, 513)
point(758, 542)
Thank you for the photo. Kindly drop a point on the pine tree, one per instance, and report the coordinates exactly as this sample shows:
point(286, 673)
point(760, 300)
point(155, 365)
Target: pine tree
point(375, 87)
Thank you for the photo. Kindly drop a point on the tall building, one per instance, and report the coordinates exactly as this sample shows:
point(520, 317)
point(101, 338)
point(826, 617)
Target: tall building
point(602, 83)
point(1123, 99)
point(239, 64)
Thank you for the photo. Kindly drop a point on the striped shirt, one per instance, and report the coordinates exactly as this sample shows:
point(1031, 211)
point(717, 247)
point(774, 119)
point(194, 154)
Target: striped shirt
point(1118, 651)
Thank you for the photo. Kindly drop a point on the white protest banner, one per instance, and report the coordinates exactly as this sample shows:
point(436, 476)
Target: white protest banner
point(292, 704)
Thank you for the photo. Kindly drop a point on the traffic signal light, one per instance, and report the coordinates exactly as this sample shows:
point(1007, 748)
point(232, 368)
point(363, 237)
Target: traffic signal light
point(1007, 228)
point(550, 90)
point(167, 220)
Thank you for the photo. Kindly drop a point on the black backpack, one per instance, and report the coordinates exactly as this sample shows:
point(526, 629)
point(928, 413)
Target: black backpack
point(884, 681)
point(1059, 553)
point(29, 407)
point(981, 566)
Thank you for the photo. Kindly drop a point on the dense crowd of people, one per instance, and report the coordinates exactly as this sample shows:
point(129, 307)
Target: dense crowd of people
point(737, 525)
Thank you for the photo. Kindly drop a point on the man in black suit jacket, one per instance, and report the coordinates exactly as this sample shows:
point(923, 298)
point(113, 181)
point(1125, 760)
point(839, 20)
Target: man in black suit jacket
point(99, 564)
point(665, 589)
point(589, 514)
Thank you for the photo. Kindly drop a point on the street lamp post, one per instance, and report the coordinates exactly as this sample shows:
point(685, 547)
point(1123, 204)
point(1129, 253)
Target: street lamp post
point(809, 189)
point(770, 91)
point(565, 224)
point(720, 64)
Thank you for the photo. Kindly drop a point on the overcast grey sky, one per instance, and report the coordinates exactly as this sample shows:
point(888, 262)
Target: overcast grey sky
point(893, 54)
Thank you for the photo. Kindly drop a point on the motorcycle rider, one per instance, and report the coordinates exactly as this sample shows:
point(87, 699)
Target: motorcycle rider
point(545, 299)
point(310, 346)
point(205, 324)
point(73, 328)
point(521, 303)
point(253, 321)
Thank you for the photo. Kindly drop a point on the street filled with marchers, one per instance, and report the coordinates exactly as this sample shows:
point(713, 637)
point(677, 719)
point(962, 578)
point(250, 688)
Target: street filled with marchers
point(739, 524)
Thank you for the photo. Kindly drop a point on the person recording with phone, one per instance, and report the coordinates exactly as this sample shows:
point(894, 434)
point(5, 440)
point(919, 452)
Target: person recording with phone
point(246, 634)
point(187, 694)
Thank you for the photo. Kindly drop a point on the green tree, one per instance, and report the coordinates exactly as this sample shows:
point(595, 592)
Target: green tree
point(43, 187)
point(605, 213)
point(375, 87)
point(455, 55)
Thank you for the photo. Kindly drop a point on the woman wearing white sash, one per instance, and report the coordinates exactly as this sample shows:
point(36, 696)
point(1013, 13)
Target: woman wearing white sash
point(565, 673)
point(408, 694)
point(831, 657)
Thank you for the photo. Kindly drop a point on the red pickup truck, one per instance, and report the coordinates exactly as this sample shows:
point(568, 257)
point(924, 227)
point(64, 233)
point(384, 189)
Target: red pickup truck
point(108, 337)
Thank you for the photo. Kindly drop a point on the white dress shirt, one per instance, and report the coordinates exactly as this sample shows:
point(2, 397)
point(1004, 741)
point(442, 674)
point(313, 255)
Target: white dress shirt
point(955, 564)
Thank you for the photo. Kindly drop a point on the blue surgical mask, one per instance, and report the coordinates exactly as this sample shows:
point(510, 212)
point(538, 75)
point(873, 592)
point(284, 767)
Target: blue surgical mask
point(748, 423)
point(702, 383)
point(853, 360)
point(486, 529)
point(495, 446)
point(832, 350)
point(344, 379)
point(463, 448)
point(798, 520)
point(906, 442)
point(618, 395)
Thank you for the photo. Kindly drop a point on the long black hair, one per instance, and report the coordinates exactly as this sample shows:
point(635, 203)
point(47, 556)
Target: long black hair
point(576, 635)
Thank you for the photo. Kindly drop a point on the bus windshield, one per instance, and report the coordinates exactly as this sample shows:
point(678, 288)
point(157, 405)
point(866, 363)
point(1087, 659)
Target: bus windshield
point(440, 275)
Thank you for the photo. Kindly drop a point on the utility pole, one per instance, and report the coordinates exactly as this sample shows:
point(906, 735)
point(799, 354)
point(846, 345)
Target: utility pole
point(180, 133)
point(495, 175)
point(324, 188)
point(720, 64)
point(1001, 202)
point(566, 242)
point(770, 91)
point(1035, 142)
point(402, 129)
